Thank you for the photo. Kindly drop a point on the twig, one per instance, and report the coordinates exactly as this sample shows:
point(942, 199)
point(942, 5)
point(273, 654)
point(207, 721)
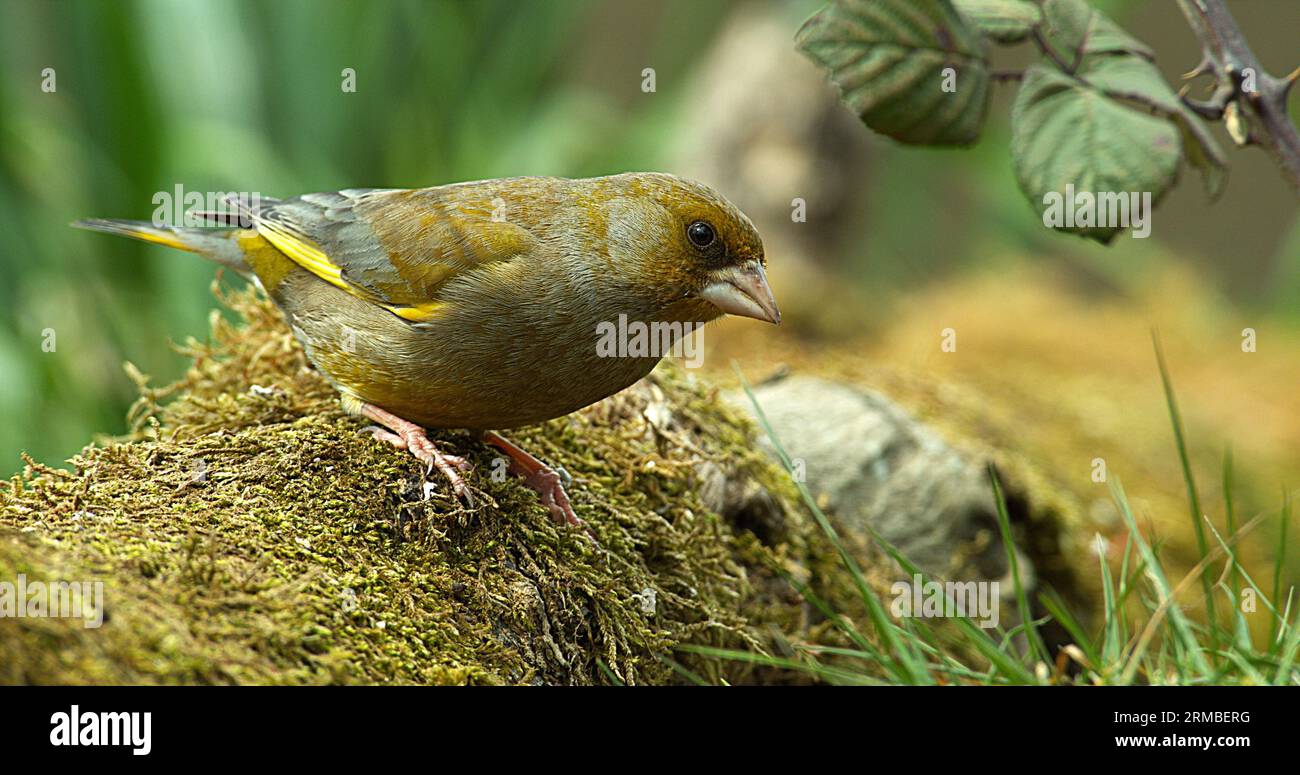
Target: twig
point(1228, 57)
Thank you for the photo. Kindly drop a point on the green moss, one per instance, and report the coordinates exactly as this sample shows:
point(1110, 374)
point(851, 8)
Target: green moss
point(248, 532)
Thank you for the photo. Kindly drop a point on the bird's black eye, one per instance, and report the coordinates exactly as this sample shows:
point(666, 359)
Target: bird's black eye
point(701, 234)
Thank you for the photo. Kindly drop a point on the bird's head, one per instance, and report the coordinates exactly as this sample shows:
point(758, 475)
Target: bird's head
point(697, 253)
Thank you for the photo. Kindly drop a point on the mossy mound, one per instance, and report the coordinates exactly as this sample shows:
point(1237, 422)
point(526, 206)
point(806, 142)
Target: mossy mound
point(250, 533)
point(1056, 372)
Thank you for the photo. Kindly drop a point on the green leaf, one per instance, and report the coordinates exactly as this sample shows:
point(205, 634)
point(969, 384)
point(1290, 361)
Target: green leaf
point(1138, 81)
point(1202, 151)
point(1066, 132)
point(1130, 77)
point(1006, 21)
point(1076, 29)
point(888, 58)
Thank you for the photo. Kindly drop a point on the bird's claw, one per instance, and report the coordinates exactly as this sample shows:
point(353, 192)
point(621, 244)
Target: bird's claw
point(415, 441)
point(549, 486)
point(548, 483)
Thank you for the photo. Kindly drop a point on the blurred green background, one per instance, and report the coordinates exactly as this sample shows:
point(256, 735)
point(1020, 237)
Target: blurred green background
point(245, 96)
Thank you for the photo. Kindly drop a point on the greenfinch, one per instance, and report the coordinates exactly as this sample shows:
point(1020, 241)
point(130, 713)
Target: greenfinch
point(479, 305)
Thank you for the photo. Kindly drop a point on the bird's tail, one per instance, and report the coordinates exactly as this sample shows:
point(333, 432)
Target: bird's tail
point(219, 245)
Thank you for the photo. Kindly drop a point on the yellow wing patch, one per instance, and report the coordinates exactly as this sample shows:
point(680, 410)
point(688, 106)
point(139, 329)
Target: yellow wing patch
point(304, 254)
point(419, 313)
point(314, 260)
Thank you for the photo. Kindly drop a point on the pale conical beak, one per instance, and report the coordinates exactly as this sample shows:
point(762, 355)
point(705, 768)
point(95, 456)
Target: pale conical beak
point(743, 290)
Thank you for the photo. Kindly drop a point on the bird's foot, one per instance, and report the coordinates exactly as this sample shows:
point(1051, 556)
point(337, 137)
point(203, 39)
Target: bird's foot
point(546, 481)
point(548, 485)
point(411, 437)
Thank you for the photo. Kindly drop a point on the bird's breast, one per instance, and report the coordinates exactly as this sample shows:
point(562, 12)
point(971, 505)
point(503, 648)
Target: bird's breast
point(498, 356)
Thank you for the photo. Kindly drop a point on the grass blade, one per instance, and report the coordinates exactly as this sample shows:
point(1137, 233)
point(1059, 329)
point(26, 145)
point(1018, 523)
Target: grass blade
point(1036, 644)
point(1193, 499)
point(1182, 629)
point(1279, 561)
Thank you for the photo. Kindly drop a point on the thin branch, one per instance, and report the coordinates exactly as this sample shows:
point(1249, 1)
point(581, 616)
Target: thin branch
point(1213, 108)
point(1228, 57)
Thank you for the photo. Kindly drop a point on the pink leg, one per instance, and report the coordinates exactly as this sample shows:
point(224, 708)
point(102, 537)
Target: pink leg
point(538, 476)
point(409, 436)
